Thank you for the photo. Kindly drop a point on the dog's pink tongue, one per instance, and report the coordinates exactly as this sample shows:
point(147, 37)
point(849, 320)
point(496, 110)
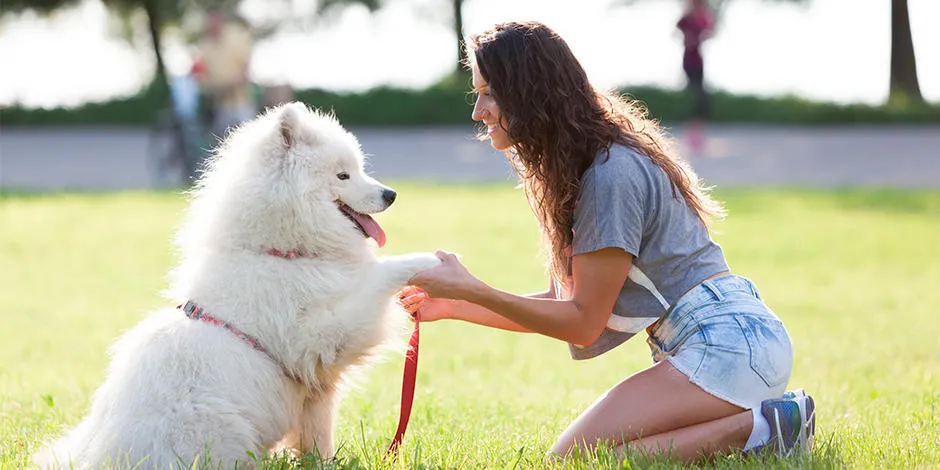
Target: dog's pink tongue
point(371, 227)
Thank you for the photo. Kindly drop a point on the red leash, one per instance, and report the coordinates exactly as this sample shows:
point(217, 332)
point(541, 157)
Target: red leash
point(407, 390)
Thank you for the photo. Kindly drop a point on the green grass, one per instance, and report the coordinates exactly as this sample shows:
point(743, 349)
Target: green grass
point(854, 275)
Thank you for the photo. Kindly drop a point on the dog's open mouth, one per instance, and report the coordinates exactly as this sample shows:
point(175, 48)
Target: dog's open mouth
point(367, 225)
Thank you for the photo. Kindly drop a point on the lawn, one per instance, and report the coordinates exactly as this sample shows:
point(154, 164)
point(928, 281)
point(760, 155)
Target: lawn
point(854, 275)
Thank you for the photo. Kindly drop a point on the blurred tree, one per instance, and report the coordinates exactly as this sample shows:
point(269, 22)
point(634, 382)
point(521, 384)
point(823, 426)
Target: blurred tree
point(457, 6)
point(449, 13)
point(162, 14)
point(903, 84)
point(159, 14)
point(458, 29)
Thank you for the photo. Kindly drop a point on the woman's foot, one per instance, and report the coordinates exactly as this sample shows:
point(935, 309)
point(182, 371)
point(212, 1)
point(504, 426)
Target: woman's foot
point(792, 420)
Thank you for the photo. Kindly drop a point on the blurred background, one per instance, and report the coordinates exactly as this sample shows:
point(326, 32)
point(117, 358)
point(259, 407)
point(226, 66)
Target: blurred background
point(112, 94)
point(817, 120)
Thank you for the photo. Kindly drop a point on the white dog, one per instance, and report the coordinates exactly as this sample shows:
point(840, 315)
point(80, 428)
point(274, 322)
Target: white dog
point(282, 296)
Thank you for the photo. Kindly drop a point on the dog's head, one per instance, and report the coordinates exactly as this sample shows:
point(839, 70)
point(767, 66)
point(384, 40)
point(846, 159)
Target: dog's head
point(291, 179)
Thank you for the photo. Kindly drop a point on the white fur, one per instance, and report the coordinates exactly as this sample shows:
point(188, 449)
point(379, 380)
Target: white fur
point(179, 389)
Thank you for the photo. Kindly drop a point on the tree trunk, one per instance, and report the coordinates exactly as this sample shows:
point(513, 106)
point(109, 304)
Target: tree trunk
point(903, 83)
point(458, 29)
point(154, 23)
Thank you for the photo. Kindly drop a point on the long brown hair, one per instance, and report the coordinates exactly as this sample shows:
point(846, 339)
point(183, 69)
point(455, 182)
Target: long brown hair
point(558, 122)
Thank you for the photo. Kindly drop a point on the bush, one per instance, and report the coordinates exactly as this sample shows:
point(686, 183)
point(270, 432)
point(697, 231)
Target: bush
point(137, 110)
point(447, 102)
point(393, 106)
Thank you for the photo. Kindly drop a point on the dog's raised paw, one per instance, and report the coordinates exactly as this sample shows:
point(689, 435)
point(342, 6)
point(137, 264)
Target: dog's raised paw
point(426, 260)
point(411, 264)
point(422, 261)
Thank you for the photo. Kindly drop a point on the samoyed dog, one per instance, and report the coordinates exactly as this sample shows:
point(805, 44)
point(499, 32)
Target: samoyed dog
point(281, 298)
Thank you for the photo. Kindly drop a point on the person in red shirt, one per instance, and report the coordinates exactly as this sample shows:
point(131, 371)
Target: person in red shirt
point(696, 26)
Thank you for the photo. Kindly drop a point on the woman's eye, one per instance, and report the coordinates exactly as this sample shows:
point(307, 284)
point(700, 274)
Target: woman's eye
point(342, 176)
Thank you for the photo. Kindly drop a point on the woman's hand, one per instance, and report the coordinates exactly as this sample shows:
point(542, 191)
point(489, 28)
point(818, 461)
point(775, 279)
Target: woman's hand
point(449, 280)
point(423, 308)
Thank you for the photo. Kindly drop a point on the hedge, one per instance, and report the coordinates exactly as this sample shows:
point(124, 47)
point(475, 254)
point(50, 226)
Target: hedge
point(448, 103)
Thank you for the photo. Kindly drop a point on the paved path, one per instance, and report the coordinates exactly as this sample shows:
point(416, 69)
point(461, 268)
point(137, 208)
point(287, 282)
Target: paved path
point(825, 157)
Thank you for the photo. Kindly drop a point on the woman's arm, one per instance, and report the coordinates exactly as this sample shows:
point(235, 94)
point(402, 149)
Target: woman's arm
point(479, 315)
point(426, 309)
point(598, 278)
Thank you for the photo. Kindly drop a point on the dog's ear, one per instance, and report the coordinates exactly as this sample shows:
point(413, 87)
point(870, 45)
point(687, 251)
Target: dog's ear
point(289, 123)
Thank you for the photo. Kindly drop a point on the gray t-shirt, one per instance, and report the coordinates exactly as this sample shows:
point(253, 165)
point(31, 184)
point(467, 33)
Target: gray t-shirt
point(627, 202)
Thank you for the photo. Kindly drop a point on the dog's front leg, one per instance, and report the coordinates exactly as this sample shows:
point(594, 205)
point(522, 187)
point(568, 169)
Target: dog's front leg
point(384, 280)
point(393, 272)
point(317, 424)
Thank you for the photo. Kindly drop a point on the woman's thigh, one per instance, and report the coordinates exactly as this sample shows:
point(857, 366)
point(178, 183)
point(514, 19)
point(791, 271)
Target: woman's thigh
point(653, 401)
point(727, 341)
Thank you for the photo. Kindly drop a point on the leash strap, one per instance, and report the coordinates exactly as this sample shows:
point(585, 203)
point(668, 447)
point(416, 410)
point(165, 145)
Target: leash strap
point(407, 390)
point(197, 313)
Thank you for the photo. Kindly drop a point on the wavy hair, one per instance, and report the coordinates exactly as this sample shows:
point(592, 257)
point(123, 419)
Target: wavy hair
point(558, 123)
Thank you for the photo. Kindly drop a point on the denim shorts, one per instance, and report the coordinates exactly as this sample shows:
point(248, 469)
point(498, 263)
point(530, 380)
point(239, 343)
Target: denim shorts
point(727, 341)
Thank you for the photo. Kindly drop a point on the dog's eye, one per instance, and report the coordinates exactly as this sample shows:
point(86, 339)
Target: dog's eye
point(343, 176)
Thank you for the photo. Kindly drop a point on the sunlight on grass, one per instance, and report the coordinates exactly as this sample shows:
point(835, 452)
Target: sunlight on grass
point(854, 275)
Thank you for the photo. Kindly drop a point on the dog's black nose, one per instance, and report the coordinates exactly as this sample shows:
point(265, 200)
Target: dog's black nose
point(389, 196)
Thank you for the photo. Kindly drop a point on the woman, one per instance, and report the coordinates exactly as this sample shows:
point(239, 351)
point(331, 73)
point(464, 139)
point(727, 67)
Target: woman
point(625, 228)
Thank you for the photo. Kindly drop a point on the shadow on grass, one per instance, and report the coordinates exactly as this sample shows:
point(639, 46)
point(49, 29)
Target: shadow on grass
point(825, 455)
point(32, 194)
point(890, 201)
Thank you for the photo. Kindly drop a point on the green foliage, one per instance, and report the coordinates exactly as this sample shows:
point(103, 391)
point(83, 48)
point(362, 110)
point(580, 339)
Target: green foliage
point(40, 6)
point(849, 272)
point(448, 102)
point(794, 110)
point(141, 109)
point(171, 11)
point(394, 106)
point(445, 102)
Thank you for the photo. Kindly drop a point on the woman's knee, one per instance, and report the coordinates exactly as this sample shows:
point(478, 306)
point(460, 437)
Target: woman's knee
point(565, 445)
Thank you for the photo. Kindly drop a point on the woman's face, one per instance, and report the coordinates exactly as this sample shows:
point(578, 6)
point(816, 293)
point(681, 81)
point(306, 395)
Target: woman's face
point(486, 110)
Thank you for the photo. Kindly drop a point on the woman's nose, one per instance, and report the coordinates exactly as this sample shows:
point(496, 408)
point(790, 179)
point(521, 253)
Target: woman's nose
point(477, 111)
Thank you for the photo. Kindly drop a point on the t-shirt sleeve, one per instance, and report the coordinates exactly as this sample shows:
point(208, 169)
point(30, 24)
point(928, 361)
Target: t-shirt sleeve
point(613, 208)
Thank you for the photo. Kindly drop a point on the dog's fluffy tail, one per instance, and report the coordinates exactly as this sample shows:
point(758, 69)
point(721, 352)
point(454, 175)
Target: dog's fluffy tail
point(63, 454)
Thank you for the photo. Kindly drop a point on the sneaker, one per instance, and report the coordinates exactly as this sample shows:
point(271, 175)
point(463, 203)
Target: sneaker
point(811, 419)
point(792, 420)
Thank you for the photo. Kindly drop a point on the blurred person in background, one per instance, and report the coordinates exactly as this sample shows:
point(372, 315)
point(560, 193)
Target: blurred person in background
point(275, 95)
point(225, 54)
point(188, 109)
point(696, 25)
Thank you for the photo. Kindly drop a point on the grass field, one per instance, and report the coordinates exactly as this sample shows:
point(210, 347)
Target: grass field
point(854, 275)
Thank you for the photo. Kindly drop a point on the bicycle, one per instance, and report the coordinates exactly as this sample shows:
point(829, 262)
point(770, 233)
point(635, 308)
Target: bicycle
point(169, 164)
point(173, 160)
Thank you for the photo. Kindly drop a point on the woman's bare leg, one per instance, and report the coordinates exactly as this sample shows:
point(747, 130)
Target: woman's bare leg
point(652, 402)
point(692, 443)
